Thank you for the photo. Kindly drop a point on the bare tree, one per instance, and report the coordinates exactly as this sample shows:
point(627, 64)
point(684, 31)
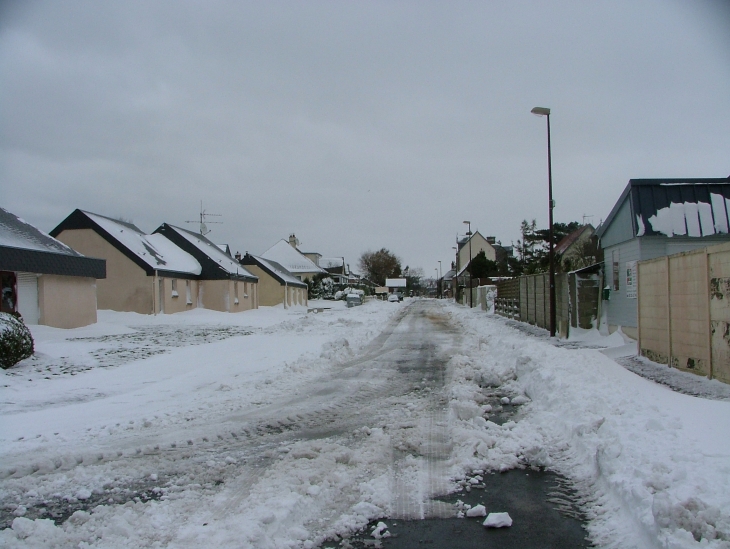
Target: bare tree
point(377, 266)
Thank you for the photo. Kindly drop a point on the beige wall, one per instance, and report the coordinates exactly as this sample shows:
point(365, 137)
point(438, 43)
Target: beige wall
point(220, 295)
point(271, 292)
point(126, 286)
point(66, 301)
point(180, 303)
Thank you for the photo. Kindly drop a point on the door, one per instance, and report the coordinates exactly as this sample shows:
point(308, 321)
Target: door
point(28, 297)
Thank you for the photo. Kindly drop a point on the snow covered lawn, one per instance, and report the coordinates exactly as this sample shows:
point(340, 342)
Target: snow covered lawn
point(155, 429)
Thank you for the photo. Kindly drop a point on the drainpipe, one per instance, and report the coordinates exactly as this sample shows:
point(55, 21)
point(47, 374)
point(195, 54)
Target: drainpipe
point(286, 294)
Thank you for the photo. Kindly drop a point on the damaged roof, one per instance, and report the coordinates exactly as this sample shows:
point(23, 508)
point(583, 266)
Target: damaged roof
point(675, 207)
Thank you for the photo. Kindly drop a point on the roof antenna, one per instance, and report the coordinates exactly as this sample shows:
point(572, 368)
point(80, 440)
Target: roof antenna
point(203, 214)
point(586, 217)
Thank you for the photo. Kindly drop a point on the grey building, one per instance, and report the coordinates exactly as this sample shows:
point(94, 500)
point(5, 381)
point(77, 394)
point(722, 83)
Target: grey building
point(655, 218)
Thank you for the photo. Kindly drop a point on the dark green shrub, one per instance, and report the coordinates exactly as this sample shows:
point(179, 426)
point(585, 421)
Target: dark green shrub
point(16, 342)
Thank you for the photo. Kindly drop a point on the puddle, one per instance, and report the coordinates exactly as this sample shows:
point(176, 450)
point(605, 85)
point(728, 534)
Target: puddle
point(540, 504)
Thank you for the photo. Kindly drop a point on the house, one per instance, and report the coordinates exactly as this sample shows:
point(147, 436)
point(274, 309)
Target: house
point(396, 284)
point(224, 284)
point(447, 283)
point(286, 254)
point(478, 244)
point(276, 285)
point(43, 279)
point(145, 273)
point(578, 249)
point(655, 218)
point(336, 267)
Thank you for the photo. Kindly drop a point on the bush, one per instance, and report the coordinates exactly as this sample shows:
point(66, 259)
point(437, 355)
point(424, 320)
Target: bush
point(16, 343)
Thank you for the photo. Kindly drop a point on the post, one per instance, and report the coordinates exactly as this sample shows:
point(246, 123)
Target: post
point(544, 111)
point(552, 243)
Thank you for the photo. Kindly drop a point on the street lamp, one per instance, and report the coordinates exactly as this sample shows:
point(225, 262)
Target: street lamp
point(468, 233)
point(543, 111)
point(437, 282)
point(441, 282)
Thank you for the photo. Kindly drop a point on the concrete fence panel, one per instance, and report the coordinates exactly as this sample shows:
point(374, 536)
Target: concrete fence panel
point(684, 311)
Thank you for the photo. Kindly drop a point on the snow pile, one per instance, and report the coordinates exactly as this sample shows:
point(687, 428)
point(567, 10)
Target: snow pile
point(653, 465)
point(498, 520)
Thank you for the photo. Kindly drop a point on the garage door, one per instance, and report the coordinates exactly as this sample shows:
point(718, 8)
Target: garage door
point(28, 297)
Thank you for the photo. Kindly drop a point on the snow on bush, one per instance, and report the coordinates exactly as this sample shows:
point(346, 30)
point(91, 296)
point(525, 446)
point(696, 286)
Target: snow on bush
point(16, 343)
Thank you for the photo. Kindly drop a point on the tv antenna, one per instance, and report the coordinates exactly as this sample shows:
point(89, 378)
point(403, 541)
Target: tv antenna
point(203, 219)
point(586, 217)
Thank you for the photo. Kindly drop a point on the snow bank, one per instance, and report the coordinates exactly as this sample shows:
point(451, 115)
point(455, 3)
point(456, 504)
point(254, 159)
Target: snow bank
point(653, 466)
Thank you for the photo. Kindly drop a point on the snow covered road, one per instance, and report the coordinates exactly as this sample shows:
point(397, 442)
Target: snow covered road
point(278, 428)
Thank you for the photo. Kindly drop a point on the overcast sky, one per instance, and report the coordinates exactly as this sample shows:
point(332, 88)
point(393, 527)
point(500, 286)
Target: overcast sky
point(355, 125)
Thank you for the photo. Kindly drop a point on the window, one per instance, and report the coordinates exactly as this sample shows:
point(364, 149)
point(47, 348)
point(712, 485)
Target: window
point(616, 275)
point(245, 289)
point(188, 295)
point(235, 292)
point(174, 287)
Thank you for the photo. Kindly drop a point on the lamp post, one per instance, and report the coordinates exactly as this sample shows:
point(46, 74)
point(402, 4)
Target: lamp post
point(544, 111)
point(468, 233)
point(437, 281)
point(441, 282)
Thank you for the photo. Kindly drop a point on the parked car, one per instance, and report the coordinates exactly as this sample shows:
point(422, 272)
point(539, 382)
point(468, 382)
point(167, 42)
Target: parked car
point(353, 300)
point(393, 298)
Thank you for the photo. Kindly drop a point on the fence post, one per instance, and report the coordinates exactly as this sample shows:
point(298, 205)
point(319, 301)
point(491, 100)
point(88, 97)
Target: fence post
point(708, 283)
point(669, 312)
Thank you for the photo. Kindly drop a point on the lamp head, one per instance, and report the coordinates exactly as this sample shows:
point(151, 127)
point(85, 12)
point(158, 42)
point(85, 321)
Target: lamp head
point(541, 111)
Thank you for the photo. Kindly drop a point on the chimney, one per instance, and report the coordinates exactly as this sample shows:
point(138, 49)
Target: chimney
point(293, 240)
point(238, 256)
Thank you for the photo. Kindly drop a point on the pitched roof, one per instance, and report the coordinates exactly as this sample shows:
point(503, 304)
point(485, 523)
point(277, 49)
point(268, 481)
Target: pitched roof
point(152, 252)
point(291, 259)
point(275, 270)
point(466, 238)
point(215, 263)
point(17, 233)
point(681, 207)
point(568, 240)
point(25, 248)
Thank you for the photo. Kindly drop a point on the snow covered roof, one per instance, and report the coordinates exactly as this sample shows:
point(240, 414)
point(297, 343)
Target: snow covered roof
point(154, 251)
point(289, 258)
point(25, 248)
point(18, 233)
point(332, 262)
point(204, 251)
point(274, 269)
point(675, 207)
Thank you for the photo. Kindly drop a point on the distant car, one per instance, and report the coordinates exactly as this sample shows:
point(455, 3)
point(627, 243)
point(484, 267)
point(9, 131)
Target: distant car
point(353, 300)
point(393, 298)
point(400, 295)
